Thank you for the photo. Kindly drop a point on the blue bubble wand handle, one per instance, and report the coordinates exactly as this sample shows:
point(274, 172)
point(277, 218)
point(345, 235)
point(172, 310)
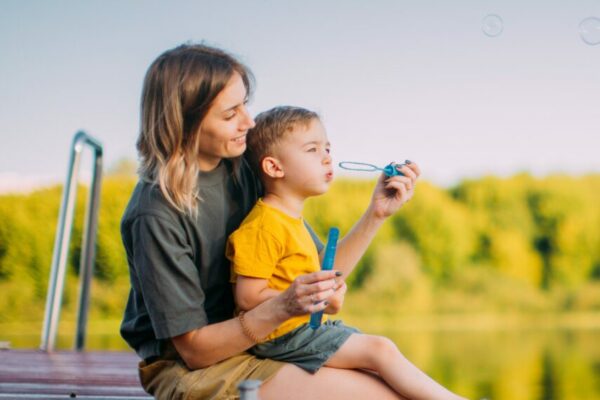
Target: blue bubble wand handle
point(334, 234)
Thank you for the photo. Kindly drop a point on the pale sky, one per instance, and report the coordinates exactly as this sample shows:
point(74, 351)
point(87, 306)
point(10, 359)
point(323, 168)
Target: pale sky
point(392, 79)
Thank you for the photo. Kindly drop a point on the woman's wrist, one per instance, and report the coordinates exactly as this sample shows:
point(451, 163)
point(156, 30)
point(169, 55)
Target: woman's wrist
point(277, 310)
point(259, 322)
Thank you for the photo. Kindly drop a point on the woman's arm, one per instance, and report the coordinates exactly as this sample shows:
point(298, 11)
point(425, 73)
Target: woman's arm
point(250, 292)
point(212, 343)
point(389, 195)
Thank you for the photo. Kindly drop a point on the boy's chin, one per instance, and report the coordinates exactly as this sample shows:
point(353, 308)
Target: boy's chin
point(319, 191)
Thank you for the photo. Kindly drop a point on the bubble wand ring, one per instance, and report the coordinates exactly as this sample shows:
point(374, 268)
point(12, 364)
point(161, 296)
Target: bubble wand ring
point(389, 170)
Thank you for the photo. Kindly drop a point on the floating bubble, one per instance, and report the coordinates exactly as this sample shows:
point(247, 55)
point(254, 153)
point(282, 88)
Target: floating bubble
point(589, 29)
point(492, 25)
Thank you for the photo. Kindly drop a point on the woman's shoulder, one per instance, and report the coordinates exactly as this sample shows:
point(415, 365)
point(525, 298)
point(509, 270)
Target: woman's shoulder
point(245, 173)
point(148, 201)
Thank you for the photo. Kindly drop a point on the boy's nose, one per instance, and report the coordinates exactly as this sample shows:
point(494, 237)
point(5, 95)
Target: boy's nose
point(327, 159)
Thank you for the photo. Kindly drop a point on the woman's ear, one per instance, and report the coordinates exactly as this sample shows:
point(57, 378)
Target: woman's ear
point(272, 167)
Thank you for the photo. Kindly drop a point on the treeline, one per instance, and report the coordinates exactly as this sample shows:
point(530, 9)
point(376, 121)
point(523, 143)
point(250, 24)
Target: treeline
point(522, 242)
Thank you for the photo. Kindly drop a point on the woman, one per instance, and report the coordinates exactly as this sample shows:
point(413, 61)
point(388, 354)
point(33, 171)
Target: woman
point(194, 190)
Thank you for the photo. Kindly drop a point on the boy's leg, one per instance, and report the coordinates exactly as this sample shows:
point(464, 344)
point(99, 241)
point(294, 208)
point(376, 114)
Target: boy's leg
point(381, 355)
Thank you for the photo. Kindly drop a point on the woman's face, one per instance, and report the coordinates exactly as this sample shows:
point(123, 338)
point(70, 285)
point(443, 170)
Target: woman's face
point(223, 129)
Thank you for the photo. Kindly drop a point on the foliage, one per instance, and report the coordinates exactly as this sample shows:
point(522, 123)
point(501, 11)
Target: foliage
point(518, 243)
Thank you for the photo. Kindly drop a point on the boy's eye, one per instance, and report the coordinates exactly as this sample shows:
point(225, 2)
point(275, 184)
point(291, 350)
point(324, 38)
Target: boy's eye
point(328, 150)
point(312, 149)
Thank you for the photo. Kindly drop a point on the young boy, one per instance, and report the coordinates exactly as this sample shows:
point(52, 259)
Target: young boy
point(288, 147)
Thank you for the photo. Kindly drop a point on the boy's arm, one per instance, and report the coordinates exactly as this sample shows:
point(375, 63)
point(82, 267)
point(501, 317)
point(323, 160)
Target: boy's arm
point(353, 246)
point(250, 292)
point(336, 301)
point(389, 195)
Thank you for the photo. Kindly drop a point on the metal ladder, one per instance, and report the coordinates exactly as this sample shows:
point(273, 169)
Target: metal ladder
point(61, 244)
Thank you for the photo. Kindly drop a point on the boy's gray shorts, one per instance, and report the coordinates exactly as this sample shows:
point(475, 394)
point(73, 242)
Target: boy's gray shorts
point(307, 348)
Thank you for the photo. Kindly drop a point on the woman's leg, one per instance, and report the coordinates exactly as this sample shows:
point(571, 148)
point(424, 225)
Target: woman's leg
point(293, 383)
point(381, 355)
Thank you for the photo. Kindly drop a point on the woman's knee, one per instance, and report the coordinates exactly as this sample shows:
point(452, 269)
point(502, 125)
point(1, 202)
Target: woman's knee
point(293, 383)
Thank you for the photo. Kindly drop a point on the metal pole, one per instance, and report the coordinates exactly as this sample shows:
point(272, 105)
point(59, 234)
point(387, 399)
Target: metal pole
point(88, 247)
point(249, 389)
point(61, 243)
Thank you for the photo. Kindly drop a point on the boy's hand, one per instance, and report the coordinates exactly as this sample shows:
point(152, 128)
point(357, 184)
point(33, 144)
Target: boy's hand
point(392, 192)
point(336, 301)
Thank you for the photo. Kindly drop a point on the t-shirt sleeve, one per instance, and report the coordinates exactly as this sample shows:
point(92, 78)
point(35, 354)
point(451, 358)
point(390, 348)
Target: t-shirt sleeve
point(169, 279)
point(315, 238)
point(253, 252)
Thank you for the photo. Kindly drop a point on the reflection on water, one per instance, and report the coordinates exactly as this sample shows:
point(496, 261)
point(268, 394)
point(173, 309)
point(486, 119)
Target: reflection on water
point(527, 365)
point(540, 364)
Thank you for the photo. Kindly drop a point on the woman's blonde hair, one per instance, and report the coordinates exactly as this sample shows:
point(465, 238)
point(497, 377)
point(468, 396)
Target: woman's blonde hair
point(179, 88)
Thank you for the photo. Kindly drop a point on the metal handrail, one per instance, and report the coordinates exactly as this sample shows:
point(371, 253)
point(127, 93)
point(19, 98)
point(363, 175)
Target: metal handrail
point(61, 244)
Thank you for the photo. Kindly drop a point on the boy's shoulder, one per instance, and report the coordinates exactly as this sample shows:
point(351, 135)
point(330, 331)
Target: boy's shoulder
point(266, 218)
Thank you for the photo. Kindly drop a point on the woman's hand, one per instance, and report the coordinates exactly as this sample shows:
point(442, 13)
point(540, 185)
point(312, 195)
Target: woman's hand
point(392, 192)
point(308, 293)
point(336, 301)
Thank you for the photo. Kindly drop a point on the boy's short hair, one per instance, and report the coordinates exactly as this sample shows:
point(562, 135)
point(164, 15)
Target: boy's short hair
point(272, 126)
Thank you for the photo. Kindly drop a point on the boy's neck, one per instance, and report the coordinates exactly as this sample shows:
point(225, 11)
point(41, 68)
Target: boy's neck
point(291, 205)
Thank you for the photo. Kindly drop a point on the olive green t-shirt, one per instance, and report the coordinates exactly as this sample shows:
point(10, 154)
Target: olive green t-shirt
point(177, 266)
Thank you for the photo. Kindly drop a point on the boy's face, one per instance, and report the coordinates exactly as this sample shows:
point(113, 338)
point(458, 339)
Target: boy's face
point(304, 158)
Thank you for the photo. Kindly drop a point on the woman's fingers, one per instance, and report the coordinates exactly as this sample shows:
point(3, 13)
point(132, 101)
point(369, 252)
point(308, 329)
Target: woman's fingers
point(399, 184)
point(414, 167)
point(308, 293)
point(408, 182)
point(313, 308)
point(318, 276)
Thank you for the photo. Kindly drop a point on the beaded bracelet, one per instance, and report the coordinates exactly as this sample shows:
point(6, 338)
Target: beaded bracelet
point(247, 331)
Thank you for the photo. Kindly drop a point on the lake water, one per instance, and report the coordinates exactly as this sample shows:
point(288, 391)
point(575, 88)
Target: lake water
point(533, 364)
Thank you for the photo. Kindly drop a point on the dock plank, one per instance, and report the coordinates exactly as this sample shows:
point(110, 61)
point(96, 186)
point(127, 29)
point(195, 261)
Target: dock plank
point(31, 374)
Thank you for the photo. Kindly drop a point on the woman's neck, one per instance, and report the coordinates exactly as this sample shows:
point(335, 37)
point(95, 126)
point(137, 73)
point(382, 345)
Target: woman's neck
point(207, 165)
point(290, 205)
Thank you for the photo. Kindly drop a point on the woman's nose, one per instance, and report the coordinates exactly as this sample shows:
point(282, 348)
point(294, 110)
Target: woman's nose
point(248, 121)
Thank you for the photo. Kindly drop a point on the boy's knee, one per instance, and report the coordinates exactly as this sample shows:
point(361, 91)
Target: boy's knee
point(383, 344)
point(380, 348)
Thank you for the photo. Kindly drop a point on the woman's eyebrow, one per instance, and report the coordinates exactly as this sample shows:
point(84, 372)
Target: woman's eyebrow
point(236, 106)
point(232, 107)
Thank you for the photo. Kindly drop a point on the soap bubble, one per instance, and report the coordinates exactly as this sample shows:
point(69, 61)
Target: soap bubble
point(589, 29)
point(492, 25)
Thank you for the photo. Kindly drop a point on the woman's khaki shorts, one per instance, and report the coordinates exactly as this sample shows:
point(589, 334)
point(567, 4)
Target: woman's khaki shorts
point(170, 379)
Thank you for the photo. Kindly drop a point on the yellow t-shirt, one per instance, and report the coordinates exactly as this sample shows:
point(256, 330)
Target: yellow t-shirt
point(272, 245)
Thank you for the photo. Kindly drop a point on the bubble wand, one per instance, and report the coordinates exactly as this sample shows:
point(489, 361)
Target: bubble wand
point(334, 233)
point(389, 170)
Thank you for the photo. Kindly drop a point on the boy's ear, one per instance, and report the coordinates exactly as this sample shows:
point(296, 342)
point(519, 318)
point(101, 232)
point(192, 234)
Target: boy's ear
point(272, 167)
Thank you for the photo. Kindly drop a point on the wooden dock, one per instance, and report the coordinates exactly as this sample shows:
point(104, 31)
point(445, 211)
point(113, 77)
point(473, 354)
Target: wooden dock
point(31, 374)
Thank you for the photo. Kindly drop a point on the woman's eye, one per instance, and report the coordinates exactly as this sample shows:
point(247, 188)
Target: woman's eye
point(229, 117)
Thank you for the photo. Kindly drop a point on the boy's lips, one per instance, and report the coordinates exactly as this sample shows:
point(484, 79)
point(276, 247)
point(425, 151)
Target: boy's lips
point(329, 176)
